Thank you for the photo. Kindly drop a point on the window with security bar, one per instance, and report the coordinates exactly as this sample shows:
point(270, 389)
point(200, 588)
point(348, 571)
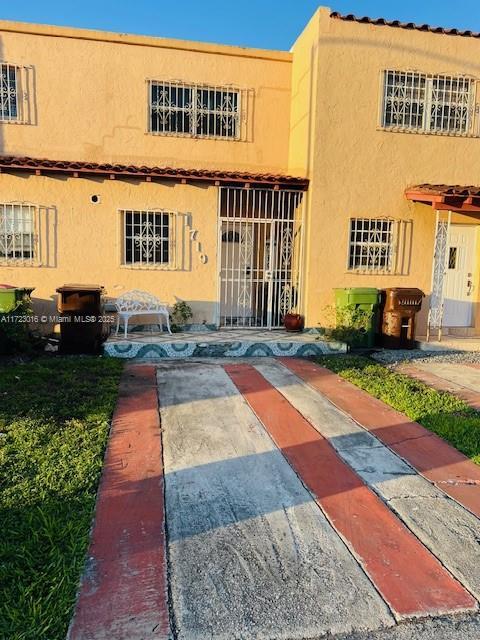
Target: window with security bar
point(195, 110)
point(17, 233)
point(372, 244)
point(419, 102)
point(149, 238)
point(9, 92)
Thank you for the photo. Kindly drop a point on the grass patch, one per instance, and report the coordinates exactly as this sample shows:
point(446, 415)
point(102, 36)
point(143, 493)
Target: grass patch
point(440, 412)
point(54, 421)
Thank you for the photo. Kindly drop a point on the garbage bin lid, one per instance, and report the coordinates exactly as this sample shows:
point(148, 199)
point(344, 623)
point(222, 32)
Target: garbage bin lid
point(359, 289)
point(405, 291)
point(69, 288)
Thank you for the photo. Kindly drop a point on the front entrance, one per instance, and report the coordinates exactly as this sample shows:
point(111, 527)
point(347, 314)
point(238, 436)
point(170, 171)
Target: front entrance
point(260, 240)
point(459, 271)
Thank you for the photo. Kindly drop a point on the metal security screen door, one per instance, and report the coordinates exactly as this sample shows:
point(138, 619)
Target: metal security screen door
point(260, 240)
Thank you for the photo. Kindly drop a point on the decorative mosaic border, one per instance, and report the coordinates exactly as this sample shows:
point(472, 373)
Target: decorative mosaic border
point(220, 349)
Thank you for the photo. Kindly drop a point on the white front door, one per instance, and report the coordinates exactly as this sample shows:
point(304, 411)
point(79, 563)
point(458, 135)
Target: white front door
point(458, 284)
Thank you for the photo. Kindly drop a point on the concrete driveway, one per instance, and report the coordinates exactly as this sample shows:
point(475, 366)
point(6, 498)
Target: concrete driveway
point(288, 506)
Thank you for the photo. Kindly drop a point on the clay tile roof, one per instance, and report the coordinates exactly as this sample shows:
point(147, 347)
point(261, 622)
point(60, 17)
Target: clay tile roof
point(404, 25)
point(15, 163)
point(445, 190)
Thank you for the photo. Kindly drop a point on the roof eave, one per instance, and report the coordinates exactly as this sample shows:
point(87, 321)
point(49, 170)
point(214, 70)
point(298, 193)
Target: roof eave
point(13, 164)
point(446, 198)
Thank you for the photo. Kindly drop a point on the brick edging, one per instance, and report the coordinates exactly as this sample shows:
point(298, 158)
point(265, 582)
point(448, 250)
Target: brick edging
point(123, 592)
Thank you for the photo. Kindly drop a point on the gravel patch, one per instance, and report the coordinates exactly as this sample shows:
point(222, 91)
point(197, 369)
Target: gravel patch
point(394, 357)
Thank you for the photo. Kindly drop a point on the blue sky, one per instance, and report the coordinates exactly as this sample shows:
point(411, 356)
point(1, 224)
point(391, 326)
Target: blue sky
point(271, 24)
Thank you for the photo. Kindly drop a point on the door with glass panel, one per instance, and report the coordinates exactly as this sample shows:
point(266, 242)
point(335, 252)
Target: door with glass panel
point(459, 276)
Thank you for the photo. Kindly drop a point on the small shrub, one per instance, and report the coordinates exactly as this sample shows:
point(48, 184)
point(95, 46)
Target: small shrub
point(348, 324)
point(181, 312)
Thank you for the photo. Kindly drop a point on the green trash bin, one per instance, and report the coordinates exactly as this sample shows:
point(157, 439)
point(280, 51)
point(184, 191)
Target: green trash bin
point(12, 336)
point(11, 297)
point(366, 298)
point(8, 300)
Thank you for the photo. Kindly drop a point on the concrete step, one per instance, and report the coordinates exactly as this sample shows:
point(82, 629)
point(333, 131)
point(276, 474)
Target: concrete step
point(219, 344)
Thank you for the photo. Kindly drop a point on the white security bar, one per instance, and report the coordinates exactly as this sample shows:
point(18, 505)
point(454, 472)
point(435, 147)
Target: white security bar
point(200, 111)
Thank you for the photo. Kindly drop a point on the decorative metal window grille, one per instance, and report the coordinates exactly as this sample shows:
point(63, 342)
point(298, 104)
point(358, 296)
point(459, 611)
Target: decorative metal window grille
point(176, 108)
point(17, 233)
point(371, 245)
point(14, 93)
point(414, 101)
point(149, 238)
point(9, 85)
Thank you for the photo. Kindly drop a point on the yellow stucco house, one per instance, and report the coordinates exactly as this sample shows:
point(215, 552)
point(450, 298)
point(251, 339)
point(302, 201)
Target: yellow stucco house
point(246, 182)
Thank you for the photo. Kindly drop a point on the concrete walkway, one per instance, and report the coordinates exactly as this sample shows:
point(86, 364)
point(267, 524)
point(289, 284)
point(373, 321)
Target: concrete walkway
point(462, 380)
point(294, 508)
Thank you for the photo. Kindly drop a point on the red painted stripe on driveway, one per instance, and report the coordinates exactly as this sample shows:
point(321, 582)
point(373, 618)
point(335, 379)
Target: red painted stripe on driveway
point(408, 576)
point(123, 593)
point(434, 458)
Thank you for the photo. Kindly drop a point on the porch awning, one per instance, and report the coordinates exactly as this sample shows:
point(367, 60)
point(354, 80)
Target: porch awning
point(444, 197)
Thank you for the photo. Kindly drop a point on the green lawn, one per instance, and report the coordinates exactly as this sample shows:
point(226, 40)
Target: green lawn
point(440, 412)
point(54, 421)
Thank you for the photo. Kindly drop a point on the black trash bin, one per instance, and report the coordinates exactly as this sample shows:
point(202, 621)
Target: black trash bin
point(80, 307)
point(399, 307)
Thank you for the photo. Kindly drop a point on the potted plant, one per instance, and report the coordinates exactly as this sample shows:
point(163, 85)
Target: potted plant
point(293, 321)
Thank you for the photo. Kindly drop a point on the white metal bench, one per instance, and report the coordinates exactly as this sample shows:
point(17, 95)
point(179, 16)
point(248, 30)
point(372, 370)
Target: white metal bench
point(140, 303)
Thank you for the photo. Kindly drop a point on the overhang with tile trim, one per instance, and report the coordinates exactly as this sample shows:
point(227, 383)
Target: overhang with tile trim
point(443, 197)
point(14, 164)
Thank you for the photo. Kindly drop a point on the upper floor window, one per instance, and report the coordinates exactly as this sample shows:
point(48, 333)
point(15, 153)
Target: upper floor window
point(195, 110)
point(419, 102)
point(9, 92)
point(17, 232)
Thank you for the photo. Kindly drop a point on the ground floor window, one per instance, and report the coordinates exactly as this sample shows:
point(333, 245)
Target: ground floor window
point(380, 245)
point(17, 232)
point(371, 246)
point(148, 238)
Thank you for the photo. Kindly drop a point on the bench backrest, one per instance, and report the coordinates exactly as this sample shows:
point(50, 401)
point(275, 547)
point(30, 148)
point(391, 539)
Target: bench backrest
point(137, 300)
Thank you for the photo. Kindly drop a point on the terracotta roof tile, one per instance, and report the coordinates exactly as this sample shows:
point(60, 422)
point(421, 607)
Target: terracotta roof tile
point(404, 25)
point(446, 190)
point(15, 163)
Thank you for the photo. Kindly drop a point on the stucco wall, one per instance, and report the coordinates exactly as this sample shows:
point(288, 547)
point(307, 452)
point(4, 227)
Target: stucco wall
point(358, 170)
point(84, 239)
point(315, 113)
point(90, 98)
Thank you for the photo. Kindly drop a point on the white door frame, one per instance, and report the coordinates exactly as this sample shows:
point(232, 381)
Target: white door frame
point(460, 266)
